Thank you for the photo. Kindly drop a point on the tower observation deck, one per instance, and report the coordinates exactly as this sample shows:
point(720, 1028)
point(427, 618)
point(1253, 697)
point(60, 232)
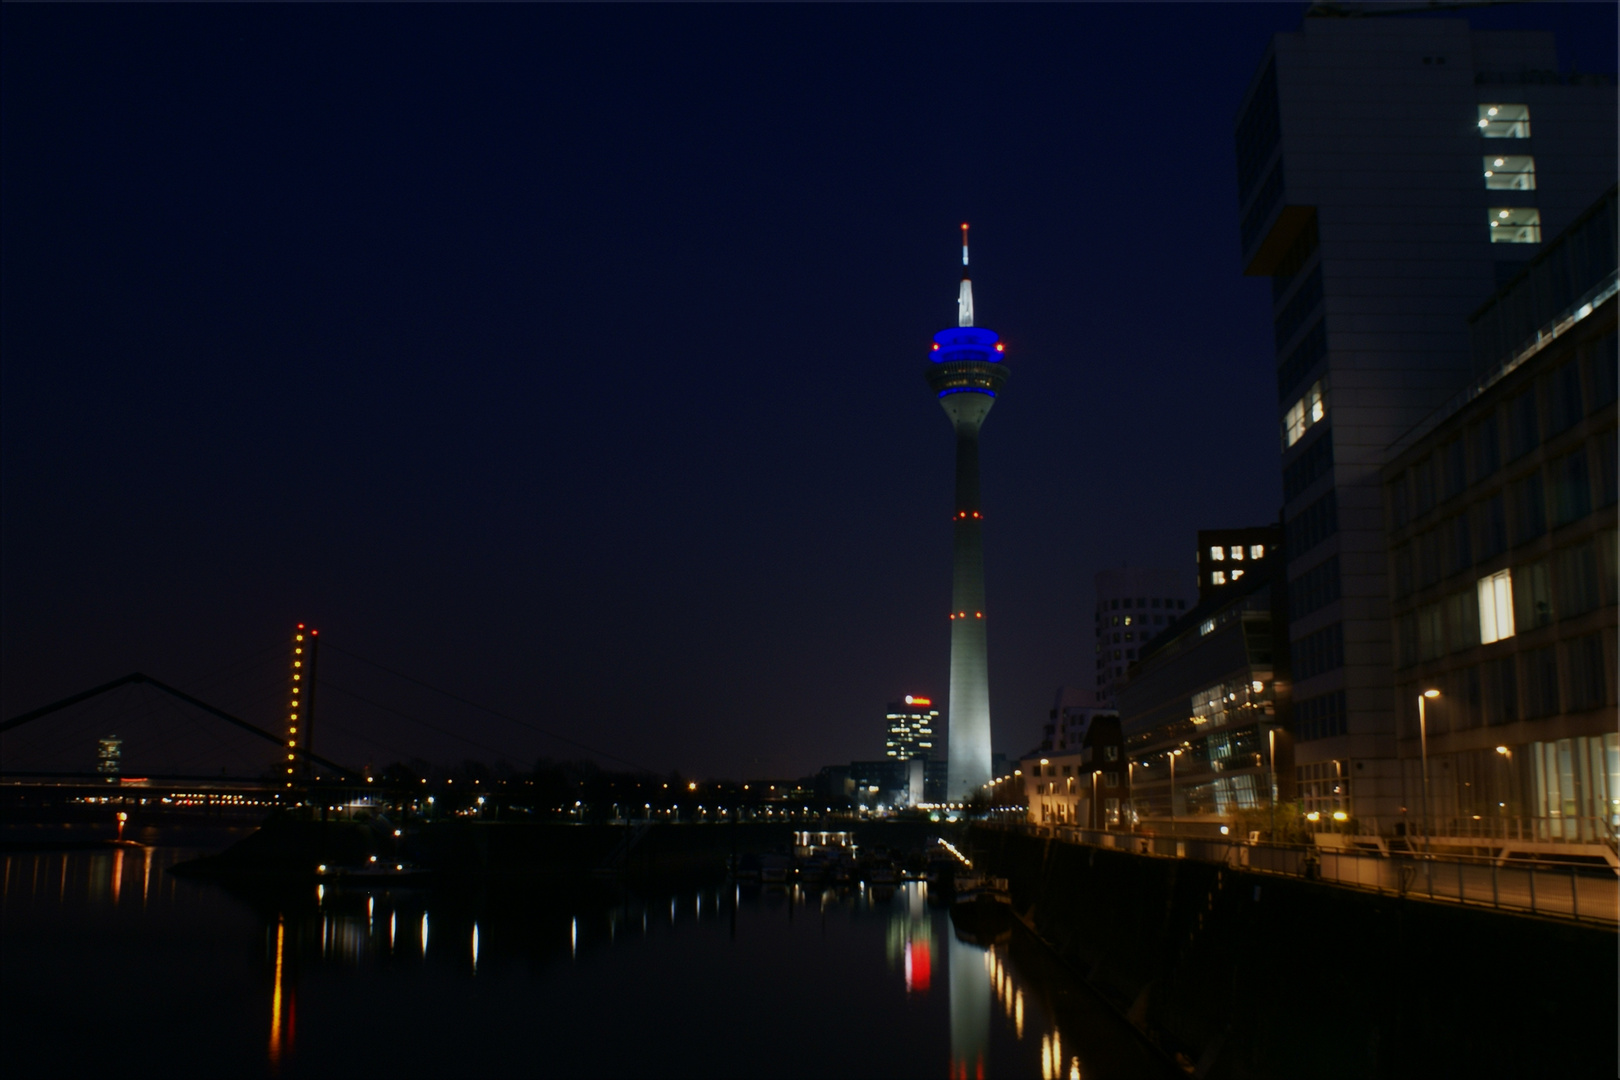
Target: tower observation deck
point(966, 374)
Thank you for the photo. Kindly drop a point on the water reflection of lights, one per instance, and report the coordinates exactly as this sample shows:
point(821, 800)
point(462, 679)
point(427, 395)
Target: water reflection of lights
point(573, 934)
point(424, 933)
point(275, 999)
point(475, 948)
point(910, 937)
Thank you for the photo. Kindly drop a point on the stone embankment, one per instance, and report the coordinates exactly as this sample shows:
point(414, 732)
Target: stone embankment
point(1245, 974)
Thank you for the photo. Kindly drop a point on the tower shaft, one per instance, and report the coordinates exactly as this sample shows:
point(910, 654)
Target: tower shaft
point(968, 723)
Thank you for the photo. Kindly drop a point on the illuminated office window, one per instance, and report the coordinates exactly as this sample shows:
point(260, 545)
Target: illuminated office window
point(1515, 225)
point(1237, 552)
point(1504, 121)
point(1217, 577)
point(1496, 607)
point(1510, 172)
point(1307, 411)
point(1257, 551)
point(1236, 574)
point(1217, 554)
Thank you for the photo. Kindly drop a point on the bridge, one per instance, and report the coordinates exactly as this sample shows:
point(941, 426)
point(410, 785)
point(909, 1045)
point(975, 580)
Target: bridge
point(139, 740)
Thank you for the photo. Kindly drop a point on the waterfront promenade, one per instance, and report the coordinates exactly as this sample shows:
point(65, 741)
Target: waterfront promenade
point(1579, 891)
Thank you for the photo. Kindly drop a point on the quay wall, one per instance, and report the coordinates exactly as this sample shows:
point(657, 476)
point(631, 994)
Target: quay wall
point(1249, 975)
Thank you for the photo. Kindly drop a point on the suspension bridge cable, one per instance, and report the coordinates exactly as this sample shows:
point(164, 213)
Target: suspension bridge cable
point(493, 712)
point(413, 719)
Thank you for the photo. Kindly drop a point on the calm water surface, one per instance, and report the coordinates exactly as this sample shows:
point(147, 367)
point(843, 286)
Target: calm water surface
point(110, 964)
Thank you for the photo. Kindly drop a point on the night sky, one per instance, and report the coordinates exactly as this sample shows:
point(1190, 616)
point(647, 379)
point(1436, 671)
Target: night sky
point(570, 358)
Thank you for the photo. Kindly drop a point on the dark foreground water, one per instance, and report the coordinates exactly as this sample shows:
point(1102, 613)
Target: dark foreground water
point(110, 966)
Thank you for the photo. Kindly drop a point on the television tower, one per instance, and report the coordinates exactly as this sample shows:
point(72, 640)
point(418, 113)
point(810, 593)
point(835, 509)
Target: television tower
point(966, 374)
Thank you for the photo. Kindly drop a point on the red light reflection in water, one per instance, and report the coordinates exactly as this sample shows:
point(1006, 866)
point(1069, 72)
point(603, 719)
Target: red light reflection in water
point(919, 966)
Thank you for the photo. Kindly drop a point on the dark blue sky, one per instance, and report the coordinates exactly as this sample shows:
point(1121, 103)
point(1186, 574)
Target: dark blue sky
point(570, 357)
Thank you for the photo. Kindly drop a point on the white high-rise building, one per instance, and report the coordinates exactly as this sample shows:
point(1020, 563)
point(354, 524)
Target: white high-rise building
point(1392, 174)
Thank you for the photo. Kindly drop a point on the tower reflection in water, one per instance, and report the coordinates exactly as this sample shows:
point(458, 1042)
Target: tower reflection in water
point(910, 937)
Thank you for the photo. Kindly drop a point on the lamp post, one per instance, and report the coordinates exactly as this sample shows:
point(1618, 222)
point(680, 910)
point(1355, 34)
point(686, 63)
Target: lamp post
point(1507, 754)
point(1271, 738)
point(1423, 745)
point(1096, 816)
point(1173, 755)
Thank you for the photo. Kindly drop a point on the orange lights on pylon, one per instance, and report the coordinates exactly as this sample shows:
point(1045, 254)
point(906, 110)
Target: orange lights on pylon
point(960, 514)
point(302, 698)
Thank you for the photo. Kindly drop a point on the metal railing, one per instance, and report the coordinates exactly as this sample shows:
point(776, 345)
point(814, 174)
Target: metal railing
point(1567, 889)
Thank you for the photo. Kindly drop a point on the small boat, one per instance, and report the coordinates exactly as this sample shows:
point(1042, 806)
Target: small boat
point(981, 908)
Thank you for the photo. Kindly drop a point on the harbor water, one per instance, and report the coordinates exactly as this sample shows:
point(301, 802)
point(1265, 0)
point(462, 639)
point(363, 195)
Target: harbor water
point(111, 965)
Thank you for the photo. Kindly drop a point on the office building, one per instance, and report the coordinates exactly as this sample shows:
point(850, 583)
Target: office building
point(1204, 713)
point(1392, 173)
point(910, 723)
point(1134, 603)
point(1226, 556)
point(966, 373)
point(1502, 515)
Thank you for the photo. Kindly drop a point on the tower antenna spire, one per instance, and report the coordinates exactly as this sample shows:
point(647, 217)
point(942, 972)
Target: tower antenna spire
point(964, 294)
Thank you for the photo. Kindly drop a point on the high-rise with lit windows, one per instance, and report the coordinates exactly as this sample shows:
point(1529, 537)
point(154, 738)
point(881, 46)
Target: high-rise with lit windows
point(1392, 173)
point(911, 722)
point(966, 373)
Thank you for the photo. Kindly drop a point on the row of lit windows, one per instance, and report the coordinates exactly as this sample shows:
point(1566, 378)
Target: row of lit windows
point(1235, 552)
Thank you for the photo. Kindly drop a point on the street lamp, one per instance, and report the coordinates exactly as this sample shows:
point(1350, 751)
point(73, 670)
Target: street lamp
point(1096, 816)
point(1271, 736)
point(1173, 755)
point(1423, 744)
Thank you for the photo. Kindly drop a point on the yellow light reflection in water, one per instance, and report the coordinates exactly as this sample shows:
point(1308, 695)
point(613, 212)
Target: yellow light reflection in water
point(1057, 1053)
point(1046, 1058)
point(475, 948)
point(1074, 1068)
point(573, 934)
point(117, 873)
point(1018, 1013)
point(275, 1000)
point(424, 933)
point(393, 920)
point(146, 876)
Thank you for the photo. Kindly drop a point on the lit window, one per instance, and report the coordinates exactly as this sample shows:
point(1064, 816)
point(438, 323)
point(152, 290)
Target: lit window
point(1305, 412)
point(1257, 551)
point(1504, 121)
point(1206, 627)
point(1217, 554)
point(1236, 574)
point(1237, 552)
point(1217, 577)
point(1510, 172)
point(1515, 225)
point(1496, 607)
point(1127, 620)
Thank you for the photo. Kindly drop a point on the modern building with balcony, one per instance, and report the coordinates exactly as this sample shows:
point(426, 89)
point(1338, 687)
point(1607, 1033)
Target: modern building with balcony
point(1204, 715)
point(1502, 518)
point(1392, 173)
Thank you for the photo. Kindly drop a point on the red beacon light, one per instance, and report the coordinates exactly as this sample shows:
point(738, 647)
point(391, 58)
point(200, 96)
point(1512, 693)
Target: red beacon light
point(1000, 347)
point(936, 346)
